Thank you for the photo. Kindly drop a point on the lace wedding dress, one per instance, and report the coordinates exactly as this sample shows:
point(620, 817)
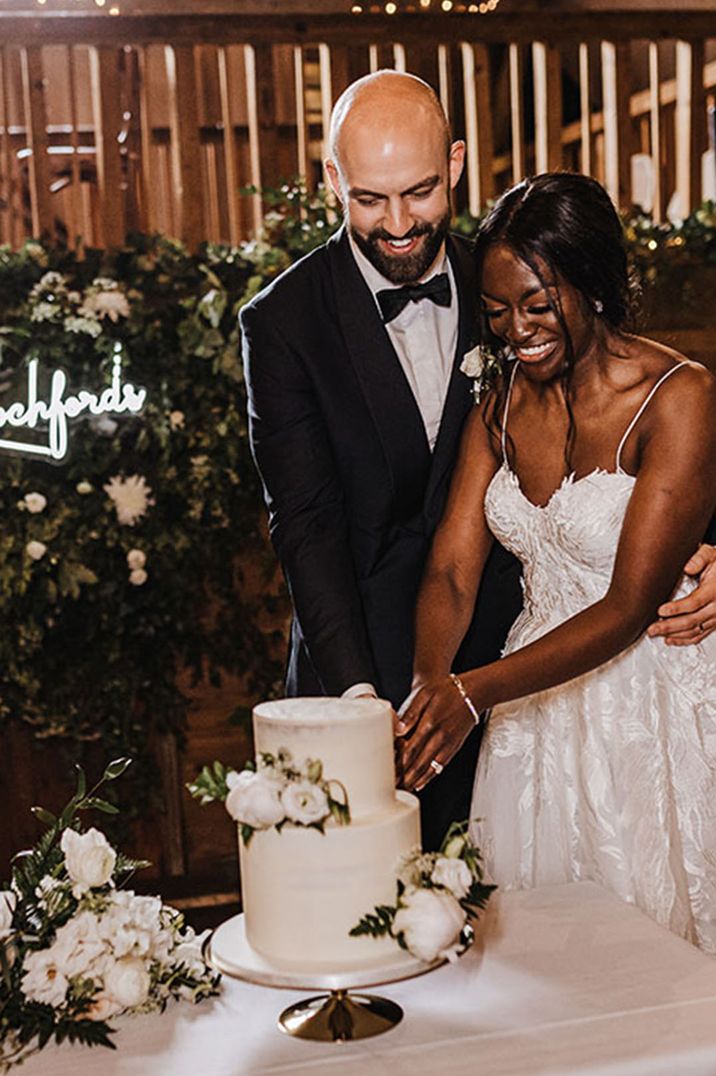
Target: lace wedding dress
point(610, 777)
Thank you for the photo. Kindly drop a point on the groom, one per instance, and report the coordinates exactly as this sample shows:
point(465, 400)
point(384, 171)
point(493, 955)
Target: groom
point(356, 402)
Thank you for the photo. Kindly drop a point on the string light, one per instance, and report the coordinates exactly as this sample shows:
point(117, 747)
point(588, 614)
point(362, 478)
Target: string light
point(114, 10)
point(408, 7)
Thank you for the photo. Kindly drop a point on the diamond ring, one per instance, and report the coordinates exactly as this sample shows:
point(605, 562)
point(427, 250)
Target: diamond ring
point(437, 766)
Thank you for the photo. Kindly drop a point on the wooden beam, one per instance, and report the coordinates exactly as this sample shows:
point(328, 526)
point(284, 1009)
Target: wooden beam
point(33, 92)
point(585, 110)
point(618, 138)
point(478, 125)
point(547, 70)
point(655, 139)
point(554, 26)
point(690, 120)
point(107, 110)
point(186, 149)
point(517, 123)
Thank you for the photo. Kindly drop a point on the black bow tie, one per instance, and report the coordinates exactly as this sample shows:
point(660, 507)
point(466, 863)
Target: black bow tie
point(392, 301)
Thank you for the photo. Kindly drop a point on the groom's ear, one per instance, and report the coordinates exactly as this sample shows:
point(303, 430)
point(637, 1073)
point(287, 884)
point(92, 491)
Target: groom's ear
point(334, 178)
point(456, 161)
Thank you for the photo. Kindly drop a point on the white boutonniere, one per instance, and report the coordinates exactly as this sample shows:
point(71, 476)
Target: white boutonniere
point(482, 365)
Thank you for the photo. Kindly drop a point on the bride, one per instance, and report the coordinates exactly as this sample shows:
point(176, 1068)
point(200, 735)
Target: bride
point(593, 458)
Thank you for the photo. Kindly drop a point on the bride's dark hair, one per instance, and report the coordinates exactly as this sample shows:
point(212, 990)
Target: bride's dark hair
point(565, 224)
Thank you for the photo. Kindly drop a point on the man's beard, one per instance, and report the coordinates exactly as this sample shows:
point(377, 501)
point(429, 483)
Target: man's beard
point(404, 268)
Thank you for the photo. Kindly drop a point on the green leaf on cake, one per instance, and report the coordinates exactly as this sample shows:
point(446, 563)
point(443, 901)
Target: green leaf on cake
point(377, 923)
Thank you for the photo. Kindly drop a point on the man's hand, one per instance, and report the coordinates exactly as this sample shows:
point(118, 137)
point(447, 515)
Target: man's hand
point(691, 619)
point(430, 731)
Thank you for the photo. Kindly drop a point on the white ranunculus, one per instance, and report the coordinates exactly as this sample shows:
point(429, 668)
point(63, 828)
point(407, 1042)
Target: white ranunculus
point(35, 502)
point(130, 496)
point(89, 858)
point(138, 577)
point(430, 923)
point(453, 874)
point(8, 900)
point(255, 800)
point(127, 982)
point(35, 550)
point(305, 802)
point(136, 558)
point(43, 979)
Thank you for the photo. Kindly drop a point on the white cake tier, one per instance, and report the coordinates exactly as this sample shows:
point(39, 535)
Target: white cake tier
point(304, 890)
point(353, 738)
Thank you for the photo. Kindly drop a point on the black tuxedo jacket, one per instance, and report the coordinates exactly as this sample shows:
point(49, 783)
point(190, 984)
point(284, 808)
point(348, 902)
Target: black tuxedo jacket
point(353, 491)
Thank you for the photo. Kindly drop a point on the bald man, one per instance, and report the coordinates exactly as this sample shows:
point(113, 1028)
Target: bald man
point(356, 403)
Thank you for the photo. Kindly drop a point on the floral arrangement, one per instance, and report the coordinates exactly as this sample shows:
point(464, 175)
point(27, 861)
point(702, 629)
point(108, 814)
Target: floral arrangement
point(438, 893)
point(76, 947)
point(483, 366)
point(274, 792)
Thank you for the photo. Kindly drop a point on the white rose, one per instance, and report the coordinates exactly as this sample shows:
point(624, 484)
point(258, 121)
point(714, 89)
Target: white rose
point(136, 559)
point(138, 577)
point(89, 858)
point(305, 802)
point(8, 900)
point(127, 982)
point(43, 979)
point(35, 502)
point(35, 550)
point(453, 874)
point(430, 923)
point(255, 800)
point(473, 362)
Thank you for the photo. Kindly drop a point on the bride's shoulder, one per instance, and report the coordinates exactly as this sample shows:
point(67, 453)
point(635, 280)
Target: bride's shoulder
point(651, 361)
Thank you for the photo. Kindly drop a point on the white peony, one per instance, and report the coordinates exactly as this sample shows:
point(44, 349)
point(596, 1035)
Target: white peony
point(138, 577)
point(79, 948)
point(35, 550)
point(453, 874)
point(43, 979)
point(35, 502)
point(89, 858)
point(8, 900)
point(255, 800)
point(305, 802)
point(136, 559)
point(105, 300)
point(130, 496)
point(127, 982)
point(430, 923)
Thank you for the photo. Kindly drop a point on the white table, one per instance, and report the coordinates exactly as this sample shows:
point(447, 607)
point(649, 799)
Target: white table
point(565, 979)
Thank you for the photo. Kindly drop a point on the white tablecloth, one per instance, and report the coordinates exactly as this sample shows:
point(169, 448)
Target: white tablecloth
point(565, 979)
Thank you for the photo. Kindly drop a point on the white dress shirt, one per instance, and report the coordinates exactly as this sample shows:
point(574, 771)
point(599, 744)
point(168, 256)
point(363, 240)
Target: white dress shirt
point(424, 336)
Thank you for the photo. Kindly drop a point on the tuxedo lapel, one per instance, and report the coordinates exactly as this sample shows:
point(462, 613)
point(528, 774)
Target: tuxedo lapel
point(458, 400)
point(377, 367)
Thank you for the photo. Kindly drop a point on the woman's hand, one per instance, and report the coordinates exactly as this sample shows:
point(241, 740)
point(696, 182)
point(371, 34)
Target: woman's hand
point(432, 729)
point(691, 619)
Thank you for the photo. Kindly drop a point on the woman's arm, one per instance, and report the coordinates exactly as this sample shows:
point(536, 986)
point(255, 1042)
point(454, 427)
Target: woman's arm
point(669, 509)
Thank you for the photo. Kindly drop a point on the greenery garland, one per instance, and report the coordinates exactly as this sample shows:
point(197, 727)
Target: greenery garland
point(123, 566)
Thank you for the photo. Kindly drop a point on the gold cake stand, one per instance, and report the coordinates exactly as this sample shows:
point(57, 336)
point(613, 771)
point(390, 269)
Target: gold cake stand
point(337, 1014)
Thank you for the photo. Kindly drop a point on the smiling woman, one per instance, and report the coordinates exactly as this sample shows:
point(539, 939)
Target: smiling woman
point(594, 461)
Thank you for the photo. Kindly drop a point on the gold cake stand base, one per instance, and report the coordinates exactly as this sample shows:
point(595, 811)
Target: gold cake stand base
point(340, 1017)
point(337, 1015)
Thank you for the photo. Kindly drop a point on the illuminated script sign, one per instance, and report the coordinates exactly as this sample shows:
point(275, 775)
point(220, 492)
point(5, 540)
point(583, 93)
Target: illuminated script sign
point(50, 417)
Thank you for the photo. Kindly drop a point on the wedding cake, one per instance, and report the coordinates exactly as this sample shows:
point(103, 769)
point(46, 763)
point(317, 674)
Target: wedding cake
point(303, 889)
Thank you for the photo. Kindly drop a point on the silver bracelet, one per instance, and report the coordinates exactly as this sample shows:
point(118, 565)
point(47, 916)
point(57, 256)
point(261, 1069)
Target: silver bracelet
point(465, 697)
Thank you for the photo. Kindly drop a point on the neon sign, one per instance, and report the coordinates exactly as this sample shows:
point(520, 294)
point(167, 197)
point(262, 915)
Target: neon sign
point(54, 413)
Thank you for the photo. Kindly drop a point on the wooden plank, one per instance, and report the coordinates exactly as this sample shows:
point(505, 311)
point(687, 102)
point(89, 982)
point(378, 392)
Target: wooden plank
point(478, 125)
point(690, 120)
point(254, 148)
point(36, 126)
point(301, 129)
point(618, 130)
point(399, 58)
point(517, 126)
point(6, 199)
point(547, 74)
point(186, 148)
point(324, 67)
point(524, 26)
point(445, 82)
point(75, 228)
point(655, 139)
point(585, 111)
point(232, 185)
point(107, 109)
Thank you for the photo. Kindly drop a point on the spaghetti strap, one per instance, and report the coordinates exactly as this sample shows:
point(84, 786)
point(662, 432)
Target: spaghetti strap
point(503, 439)
point(643, 408)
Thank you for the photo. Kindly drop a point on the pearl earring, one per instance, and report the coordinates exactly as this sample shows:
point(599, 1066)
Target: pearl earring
point(599, 306)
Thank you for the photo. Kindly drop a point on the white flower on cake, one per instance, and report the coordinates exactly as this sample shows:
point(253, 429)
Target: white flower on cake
point(305, 803)
point(35, 550)
point(437, 893)
point(255, 800)
point(35, 502)
point(453, 874)
point(43, 980)
point(130, 496)
point(430, 923)
point(8, 900)
point(89, 858)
